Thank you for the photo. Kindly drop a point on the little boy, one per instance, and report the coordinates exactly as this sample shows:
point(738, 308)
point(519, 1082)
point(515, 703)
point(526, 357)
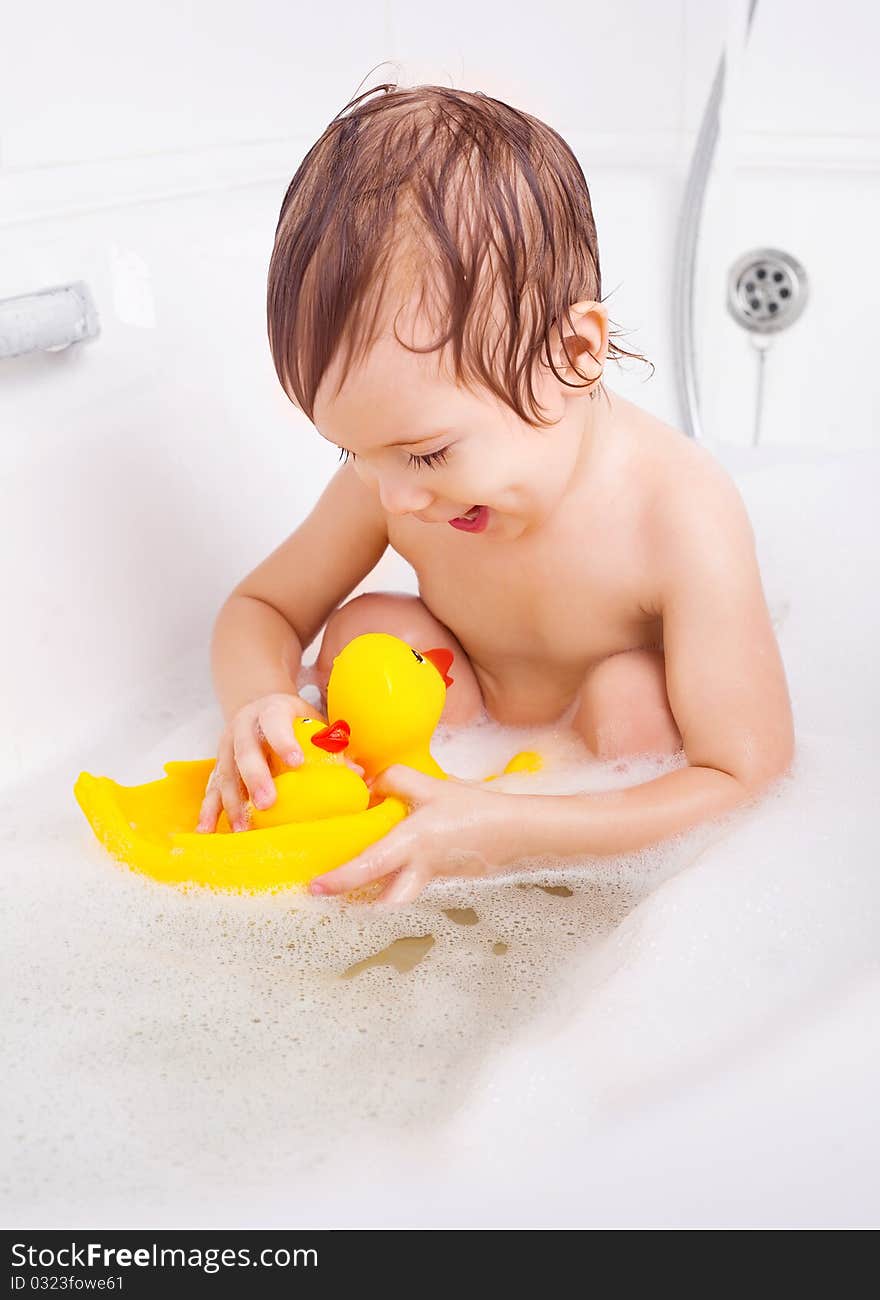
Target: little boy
point(434, 308)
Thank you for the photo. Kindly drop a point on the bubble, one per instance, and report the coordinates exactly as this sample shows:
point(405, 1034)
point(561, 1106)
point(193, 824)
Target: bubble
point(181, 1056)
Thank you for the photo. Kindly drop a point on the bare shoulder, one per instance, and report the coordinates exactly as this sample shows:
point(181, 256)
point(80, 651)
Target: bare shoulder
point(694, 518)
point(725, 677)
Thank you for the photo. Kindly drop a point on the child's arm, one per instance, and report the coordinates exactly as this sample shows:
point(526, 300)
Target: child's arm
point(724, 678)
point(262, 629)
point(254, 652)
point(274, 613)
point(727, 689)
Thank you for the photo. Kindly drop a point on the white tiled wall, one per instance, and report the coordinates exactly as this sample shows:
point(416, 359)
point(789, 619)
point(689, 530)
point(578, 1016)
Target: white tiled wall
point(146, 150)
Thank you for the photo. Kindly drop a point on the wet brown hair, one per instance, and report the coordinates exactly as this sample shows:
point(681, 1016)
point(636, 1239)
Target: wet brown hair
point(483, 208)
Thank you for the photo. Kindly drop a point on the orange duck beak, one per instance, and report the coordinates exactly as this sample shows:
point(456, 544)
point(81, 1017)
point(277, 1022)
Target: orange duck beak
point(334, 738)
point(442, 661)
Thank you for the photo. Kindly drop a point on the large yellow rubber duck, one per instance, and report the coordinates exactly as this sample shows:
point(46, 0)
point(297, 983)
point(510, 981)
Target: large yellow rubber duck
point(386, 699)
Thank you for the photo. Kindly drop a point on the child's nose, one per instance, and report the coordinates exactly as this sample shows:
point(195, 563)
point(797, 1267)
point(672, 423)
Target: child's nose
point(402, 499)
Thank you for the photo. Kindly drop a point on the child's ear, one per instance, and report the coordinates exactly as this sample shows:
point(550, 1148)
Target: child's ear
point(587, 346)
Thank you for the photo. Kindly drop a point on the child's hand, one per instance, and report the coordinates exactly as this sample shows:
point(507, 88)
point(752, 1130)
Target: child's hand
point(454, 828)
point(242, 769)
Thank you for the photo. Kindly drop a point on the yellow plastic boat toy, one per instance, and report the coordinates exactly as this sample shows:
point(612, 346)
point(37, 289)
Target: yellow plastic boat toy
point(387, 699)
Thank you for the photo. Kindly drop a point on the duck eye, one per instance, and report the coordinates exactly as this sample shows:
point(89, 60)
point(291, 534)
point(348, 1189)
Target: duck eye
point(419, 657)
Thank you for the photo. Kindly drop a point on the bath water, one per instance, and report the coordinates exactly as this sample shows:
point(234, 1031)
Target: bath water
point(184, 1058)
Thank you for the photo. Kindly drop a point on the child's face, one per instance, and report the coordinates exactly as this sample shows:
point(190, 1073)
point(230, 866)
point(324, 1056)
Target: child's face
point(475, 450)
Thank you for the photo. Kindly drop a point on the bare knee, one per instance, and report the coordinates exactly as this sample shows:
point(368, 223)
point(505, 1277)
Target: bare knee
point(372, 611)
point(624, 708)
point(408, 617)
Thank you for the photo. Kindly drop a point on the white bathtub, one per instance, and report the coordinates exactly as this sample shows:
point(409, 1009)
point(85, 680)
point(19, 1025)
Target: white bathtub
point(686, 1038)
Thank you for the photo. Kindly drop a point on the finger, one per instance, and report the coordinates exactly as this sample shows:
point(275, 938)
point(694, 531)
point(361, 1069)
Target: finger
point(406, 886)
point(407, 783)
point(226, 779)
point(234, 797)
point(276, 724)
point(210, 810)
point(251, 762)
point(379, 860)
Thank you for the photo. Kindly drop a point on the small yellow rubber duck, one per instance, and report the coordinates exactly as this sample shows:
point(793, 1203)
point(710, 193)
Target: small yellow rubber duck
point(322, 786)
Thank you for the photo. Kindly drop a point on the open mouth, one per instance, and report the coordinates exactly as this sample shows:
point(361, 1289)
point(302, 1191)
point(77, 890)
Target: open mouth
point(474, 521)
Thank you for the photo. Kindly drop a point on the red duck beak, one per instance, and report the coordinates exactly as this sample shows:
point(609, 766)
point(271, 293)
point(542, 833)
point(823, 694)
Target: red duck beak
point(334, 738)
point(442, 661)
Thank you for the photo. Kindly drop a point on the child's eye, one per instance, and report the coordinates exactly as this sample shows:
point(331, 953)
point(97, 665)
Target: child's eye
point(433, 457)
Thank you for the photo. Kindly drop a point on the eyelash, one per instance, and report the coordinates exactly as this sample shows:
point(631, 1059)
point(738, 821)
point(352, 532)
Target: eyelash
point(431, 460)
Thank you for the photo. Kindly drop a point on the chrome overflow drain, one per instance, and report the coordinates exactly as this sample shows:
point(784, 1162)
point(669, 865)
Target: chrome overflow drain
point(766, 290)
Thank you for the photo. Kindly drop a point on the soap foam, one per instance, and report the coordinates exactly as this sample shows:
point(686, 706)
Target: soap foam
point(223, 1032)
point(177, 1058)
